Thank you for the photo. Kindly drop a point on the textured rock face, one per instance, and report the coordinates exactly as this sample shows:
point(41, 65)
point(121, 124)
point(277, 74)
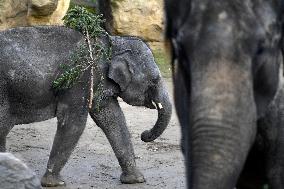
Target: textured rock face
point(40, 8)
point(14, 174)
point(130, 17)
point(140, 18)
point(47, 12)
point(15, 13)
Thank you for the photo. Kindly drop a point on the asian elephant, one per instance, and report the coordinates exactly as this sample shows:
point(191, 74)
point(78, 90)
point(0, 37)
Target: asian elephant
point(29, 62)
point(229, 94)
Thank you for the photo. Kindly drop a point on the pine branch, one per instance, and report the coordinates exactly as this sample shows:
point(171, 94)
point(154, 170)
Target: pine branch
point(87, 56)
point(92, 69)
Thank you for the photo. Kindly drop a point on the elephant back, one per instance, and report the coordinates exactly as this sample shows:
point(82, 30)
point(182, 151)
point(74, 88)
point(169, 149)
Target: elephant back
point(30, 56)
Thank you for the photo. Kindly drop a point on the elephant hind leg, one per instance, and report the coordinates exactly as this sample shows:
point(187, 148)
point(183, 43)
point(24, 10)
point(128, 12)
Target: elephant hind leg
point(71, 123)
point(6, 124)
point(3, 134)
point(111, 120)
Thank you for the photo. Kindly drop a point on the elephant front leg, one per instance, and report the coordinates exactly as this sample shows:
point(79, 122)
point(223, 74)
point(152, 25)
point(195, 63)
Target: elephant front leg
point(110, 118)
point(71, 124)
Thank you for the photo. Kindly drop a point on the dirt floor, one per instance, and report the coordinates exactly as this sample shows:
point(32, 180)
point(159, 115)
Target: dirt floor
point(93, 163)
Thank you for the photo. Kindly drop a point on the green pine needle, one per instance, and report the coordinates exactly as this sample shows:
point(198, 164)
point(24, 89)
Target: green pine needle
point(80, 19)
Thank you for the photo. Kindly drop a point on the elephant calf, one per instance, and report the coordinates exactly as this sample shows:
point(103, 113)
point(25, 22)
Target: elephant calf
point(29, 62)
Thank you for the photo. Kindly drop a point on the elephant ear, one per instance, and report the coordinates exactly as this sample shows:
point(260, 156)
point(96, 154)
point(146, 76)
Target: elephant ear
point(120, 71)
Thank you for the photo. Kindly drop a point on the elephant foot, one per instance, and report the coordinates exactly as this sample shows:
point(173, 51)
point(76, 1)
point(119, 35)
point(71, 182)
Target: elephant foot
point(132, 177)
point(51, 180)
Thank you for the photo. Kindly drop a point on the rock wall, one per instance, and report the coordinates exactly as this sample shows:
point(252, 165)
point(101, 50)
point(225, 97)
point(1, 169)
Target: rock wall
point(15, 13)
point(130, 17)
point(139, 18)
point(47, 12)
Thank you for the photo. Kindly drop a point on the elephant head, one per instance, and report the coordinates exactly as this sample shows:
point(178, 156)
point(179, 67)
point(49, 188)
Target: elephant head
point(226, 62)
point(135, 72)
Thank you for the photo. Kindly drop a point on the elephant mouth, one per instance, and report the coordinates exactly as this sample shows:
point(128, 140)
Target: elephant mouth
point(149, 103)
point(153, 105)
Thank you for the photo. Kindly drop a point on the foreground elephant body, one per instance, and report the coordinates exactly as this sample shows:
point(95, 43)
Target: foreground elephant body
point(228, 94)
point(29, 62)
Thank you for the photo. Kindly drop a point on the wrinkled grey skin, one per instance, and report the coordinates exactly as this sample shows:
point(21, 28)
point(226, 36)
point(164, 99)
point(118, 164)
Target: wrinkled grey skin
point(14, 174)
point(226, 57)
point(29, 63)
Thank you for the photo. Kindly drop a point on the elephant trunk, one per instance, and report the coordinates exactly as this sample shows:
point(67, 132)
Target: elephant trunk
point(164, 107)
point(222, 126)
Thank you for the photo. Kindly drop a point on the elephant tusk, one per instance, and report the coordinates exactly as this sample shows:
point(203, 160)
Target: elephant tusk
point(160, 106)
point(154, 104)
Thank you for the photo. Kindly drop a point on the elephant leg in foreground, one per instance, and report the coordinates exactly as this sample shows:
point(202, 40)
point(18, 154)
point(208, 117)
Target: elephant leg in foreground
point(71, 123)
point(110, 118)
point(253, 174)
point(274, 124)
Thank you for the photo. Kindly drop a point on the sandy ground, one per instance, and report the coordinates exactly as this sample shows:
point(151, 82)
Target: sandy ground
point(93, 163)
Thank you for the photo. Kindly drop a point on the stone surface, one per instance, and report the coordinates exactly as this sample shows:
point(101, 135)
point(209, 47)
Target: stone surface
point(14, 174)
point(15, 13)
point(54, 18)
point(131, 17)
point(40, 8)
point(139, 18)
